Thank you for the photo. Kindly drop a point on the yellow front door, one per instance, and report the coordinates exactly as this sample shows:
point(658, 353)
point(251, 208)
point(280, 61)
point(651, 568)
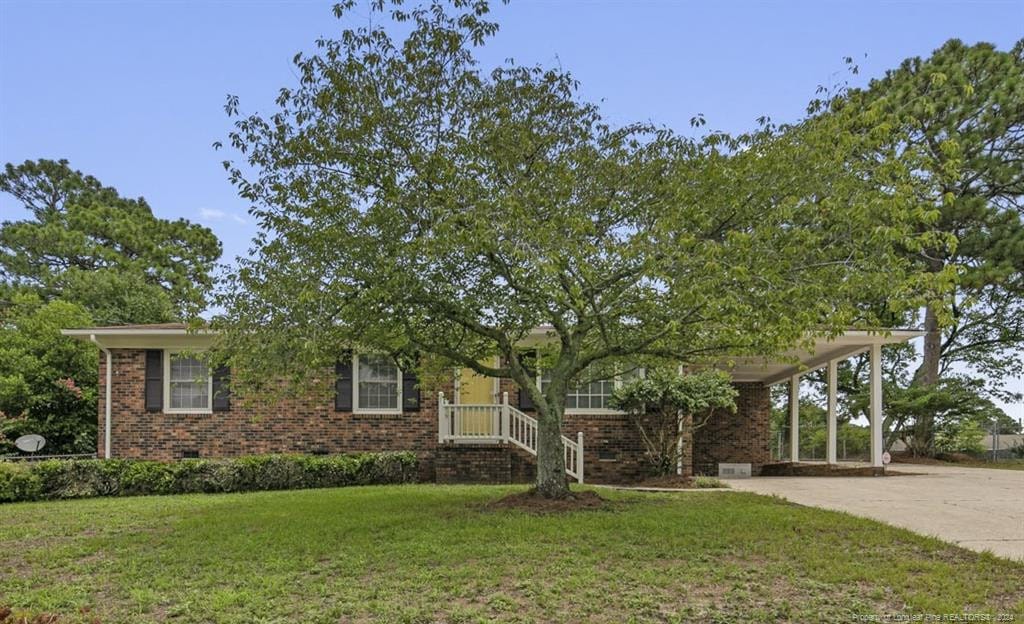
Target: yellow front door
point(476, 390)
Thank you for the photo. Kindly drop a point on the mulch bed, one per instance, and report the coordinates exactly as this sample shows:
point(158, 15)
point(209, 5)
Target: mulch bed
point(530, 502)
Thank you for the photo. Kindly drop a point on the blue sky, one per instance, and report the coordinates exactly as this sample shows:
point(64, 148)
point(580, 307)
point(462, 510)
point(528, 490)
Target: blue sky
point(132, 92)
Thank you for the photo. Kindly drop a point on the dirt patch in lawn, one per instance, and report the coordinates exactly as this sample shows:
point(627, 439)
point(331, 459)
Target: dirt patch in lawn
point(530, 502)
point(10, 616)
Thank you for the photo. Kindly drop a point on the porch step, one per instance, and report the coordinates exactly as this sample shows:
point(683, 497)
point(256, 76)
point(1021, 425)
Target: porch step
point(479, 425)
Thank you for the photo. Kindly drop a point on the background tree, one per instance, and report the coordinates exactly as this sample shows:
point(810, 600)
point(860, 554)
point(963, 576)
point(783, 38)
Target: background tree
point(667, 408)
point(951, 406)
point(961, 121)
point(852, 440)
point(414, 204)
point(47, 381)
point(85, 243)
point(85, 256)
point(959, 118)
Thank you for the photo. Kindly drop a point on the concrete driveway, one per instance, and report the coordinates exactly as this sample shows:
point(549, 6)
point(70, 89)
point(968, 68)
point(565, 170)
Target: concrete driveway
point(977, 508)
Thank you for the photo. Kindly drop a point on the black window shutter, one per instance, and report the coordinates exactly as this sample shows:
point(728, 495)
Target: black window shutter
point(343, 384)
point(525, 402)
point(154, 391)
point(529, 362)
point(410, 392)
point(221, 392)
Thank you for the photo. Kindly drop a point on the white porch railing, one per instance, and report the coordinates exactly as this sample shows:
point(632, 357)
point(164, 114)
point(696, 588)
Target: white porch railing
point(484, 423)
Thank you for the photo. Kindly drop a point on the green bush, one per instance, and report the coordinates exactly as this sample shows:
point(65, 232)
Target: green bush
point(56, 479)
point(702, 482)
point(17, 482)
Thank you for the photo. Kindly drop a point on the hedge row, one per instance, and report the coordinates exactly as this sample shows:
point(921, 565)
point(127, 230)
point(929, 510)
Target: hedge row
point(57, 478)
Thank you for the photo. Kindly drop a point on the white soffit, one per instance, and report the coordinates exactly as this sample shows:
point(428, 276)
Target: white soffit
point(142, 338)
point(742, 369)
point(849, 344)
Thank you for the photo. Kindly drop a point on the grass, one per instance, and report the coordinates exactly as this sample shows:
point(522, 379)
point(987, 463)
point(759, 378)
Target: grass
point(426, 553)
point(703, 482)
point(1002, 464)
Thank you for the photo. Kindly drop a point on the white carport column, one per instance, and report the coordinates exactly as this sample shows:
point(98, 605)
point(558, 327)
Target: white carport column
point(833, 386)
point(794, 418)
point(876, 405)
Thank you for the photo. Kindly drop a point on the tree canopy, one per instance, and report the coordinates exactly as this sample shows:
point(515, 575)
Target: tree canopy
point(959, 115)
point(960, 120)
point(84, 256)
point(86, 243)
point(413, 203)
point(47, 381)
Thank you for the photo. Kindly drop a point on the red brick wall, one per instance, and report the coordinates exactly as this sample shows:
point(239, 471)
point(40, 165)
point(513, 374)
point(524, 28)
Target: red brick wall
point(300, 425)
point(741, 437)
point(613, 451)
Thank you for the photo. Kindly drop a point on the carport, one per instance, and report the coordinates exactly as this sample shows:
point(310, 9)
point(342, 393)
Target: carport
point(826, 353)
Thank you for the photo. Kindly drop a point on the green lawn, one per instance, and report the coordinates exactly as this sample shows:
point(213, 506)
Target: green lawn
point(1005, 464)
point(428, 553)
point(1002, 464)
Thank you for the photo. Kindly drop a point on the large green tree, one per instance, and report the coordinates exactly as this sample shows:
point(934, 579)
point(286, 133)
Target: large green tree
point(959, 126)
point(47, 381)
point(84, 242)
point(84, 255)
point(960, 116)
point(413, 203)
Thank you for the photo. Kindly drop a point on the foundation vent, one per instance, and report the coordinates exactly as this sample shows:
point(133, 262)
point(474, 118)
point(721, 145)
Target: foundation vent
point(734, 471)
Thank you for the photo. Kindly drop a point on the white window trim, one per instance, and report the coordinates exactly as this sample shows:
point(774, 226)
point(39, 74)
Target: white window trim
point(167, 387)
point(355, 391)
point(617, 381)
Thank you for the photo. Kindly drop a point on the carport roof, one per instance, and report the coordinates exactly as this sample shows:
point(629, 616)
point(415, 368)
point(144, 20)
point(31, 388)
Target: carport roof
point(797, 361)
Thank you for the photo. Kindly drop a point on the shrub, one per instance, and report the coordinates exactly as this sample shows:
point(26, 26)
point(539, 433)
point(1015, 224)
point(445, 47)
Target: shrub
point(57, 479)
point(17, 482)
point(703, 482)
point(666, 408)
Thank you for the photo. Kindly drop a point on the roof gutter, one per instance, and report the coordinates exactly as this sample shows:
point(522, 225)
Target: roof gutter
point(106, 397)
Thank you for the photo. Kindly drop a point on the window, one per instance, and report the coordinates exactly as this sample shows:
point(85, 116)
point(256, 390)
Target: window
point(592, 396)
point(189, 386)
point(378, 384)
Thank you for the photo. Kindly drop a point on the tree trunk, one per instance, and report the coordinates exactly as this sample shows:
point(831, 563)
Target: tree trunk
point(927, 374)
point(551, 478)
point(685, 445)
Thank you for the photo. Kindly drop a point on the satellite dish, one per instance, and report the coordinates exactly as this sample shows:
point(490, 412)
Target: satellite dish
point(30, 443)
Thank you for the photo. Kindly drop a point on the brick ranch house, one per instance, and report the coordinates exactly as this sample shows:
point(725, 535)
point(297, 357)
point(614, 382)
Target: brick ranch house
point(157, 401)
